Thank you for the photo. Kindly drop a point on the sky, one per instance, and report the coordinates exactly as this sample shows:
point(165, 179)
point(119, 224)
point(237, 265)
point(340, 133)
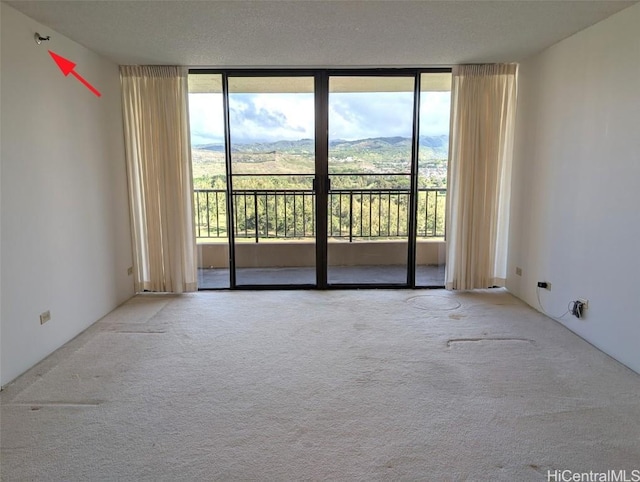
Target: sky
point(269, 117)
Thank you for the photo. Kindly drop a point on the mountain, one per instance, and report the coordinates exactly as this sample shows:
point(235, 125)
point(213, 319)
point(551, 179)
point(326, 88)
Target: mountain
point(435, 142)
point(433, 147)
point(211, 147)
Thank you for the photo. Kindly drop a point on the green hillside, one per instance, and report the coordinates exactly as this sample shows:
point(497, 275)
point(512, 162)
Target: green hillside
point(388, 155)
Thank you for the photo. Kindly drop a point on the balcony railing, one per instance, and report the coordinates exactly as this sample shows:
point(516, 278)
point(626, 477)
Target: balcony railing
point(352, 213)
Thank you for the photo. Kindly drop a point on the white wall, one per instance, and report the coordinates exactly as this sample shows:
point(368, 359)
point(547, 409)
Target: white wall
point(576, 185)
point(65, 224)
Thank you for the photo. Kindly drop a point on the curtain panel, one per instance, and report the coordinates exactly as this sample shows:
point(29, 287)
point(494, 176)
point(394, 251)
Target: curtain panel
point(158, 154)
point(481, 147)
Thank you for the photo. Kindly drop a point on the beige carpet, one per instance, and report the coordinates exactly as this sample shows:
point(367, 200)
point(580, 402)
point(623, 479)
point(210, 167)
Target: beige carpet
point(340, 385)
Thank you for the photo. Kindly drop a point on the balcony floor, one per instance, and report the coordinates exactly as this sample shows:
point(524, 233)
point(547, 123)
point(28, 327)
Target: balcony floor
point(431, 276)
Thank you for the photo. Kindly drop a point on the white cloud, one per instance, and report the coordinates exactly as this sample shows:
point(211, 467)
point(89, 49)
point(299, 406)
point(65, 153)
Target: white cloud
point(272, 117)
point(361, 115)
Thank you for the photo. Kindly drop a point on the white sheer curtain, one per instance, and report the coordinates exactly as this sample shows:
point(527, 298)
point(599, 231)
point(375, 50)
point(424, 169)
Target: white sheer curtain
point(481, 147)
point(158, 152)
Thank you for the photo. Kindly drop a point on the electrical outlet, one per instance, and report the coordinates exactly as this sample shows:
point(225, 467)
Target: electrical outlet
point(518, 271)
point(544, 284)
point(585, 302)
point(44, 317)
point(130, 270)
point(577, 308)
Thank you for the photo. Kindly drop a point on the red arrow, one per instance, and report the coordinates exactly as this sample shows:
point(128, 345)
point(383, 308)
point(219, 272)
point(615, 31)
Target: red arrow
point(68, 67)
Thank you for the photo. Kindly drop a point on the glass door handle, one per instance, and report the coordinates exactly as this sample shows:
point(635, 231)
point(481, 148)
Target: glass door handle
point(327, 184)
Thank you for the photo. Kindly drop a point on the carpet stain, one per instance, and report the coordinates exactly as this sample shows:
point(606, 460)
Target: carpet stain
point(35, 406)
point(538, 469)
point(481, 340)
point(433, 303)
point(401, 461)
point(368, 376)
point(136, 332)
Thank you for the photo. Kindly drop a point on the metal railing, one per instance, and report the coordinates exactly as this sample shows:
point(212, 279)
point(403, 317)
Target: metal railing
point(352, 213)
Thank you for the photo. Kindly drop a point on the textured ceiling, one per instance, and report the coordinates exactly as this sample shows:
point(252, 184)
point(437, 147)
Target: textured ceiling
point(317, 33)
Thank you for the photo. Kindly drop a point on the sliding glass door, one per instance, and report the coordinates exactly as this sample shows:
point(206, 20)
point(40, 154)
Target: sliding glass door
point(371, 122)
point(431, 195)
point(206, 112)
point(272, 168)
point(320, 178)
